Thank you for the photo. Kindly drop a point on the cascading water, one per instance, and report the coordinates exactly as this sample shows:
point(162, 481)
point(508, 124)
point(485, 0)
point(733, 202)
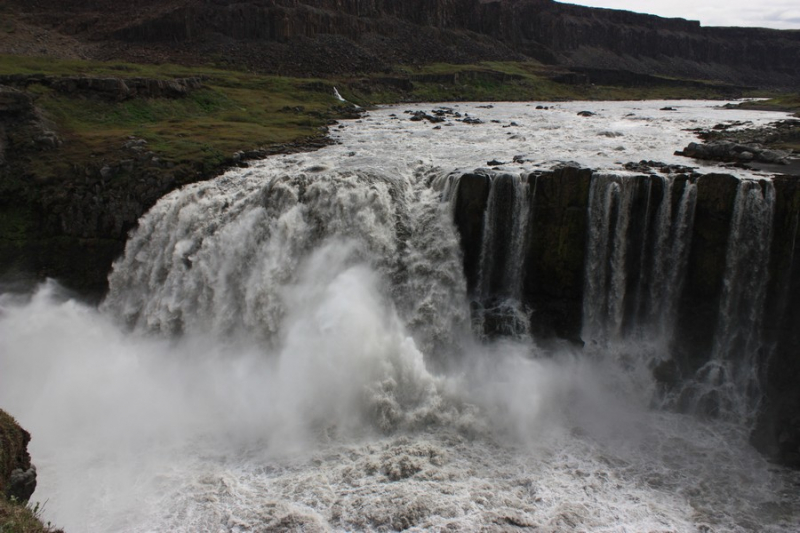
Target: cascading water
point(288, 347)
point(216, 257)
point(728, 385)
point(637, 252)
point(609, 207)
point(502, 257)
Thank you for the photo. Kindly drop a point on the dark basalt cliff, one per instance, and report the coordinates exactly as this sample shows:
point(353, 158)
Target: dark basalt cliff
point(336, 36)
point(553, 281)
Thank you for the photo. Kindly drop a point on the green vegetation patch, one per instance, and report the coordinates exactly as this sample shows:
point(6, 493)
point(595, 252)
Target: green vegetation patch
point(507, 81)
point(232, 111)
point(785, 102)
point(18, 518)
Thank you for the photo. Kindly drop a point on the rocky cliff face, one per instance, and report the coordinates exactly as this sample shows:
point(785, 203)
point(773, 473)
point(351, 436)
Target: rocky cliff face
point(17, 475)
point(335, 36)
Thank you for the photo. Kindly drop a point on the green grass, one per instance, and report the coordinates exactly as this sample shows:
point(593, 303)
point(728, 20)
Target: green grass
point(233, 111)
point(785, 102)
point(504, 81)
point(18, 518)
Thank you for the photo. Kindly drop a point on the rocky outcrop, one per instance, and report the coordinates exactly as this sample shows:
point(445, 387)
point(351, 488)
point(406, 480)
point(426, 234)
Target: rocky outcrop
point(22, 127)
point(116, 89)
point(17, 474)
point(335, 36)
point(733, 152)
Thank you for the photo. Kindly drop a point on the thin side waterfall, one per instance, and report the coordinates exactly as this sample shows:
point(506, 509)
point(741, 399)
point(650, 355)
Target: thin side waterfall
point(502, 257)
point(505, 228)
point(728, 384)
point(672, 266)
point(671, 257)
point(643, 297)
point(638, 244)
point(605, 285)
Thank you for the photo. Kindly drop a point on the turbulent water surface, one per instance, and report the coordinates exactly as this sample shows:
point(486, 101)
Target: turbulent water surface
point(290, 347)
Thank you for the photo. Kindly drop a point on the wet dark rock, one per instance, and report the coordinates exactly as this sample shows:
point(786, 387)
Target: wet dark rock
point(652, 167)
point(586, 114)
point(21, 484)
point(495, 163)
point(418, 116)
point(471, 199)
point(777, 431)
point(729, 151)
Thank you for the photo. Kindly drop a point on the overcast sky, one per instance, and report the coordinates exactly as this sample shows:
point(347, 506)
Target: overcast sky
point(783, 14)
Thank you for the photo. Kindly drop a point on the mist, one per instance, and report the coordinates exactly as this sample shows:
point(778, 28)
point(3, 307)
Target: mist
point(116, 414)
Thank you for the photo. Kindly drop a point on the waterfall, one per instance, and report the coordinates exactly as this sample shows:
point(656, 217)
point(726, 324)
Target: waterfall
point(502, 256)
point(672, 261)
point(728, 385)
point(638, 244)
point(609, 216)
point(215, 257)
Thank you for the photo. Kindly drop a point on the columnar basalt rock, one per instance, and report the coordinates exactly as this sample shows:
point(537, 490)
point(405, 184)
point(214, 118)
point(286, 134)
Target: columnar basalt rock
point(554, 262)
point(471, 199)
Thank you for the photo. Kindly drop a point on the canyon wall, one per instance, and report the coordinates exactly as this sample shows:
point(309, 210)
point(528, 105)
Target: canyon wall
point(339, 36)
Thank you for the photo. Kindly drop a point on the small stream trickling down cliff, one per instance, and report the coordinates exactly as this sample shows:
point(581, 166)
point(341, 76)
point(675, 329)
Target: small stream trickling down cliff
point(347, 341)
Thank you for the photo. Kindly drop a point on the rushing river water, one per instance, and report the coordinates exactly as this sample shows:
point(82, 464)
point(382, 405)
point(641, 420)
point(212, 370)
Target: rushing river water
point(290, 347)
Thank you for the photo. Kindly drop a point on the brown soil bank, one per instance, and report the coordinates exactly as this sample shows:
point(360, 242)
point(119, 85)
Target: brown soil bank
point(316, 37)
